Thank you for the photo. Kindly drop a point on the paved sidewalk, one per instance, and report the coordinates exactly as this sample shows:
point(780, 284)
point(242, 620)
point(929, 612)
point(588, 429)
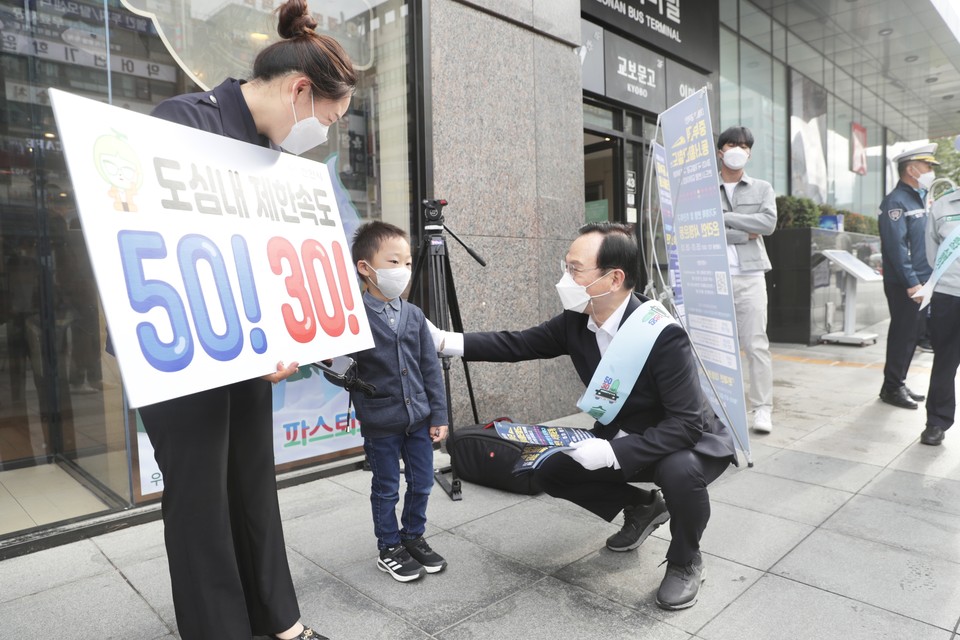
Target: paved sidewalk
point(846, 528)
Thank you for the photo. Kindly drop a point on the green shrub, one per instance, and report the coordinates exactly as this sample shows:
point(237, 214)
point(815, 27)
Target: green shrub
point(797, 213)
point(804, 213)
point(858, 223)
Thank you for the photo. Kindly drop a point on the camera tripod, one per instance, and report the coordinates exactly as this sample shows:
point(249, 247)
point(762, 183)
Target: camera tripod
point(442, 305)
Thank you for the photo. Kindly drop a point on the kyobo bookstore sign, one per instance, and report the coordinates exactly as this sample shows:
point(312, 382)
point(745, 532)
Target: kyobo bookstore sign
point(633, 74)
point(685, 28)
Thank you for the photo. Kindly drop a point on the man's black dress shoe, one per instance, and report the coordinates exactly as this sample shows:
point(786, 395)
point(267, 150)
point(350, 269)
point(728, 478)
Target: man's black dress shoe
point(681, 584)
point(932, 436)
point(639, 521)
point(898, 398)
point(916, 397)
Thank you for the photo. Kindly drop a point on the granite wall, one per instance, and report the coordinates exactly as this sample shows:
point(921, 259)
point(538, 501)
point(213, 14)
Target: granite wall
point(508, 156)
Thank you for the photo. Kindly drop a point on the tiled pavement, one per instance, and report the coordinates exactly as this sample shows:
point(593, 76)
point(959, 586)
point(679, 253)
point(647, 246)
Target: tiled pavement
point(846, 528)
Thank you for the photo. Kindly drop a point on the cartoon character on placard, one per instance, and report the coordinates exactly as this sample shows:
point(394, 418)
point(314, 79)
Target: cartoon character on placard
point(118, 164)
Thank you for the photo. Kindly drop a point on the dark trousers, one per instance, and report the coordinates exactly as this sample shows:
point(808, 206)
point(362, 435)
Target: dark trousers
point(383, 456)
point(228, 563)
point(943, 322)
point(683, 476)
point(902, 336)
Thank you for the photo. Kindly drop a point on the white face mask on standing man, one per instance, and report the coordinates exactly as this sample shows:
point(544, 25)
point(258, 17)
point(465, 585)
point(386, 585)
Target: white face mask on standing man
point(735, 158)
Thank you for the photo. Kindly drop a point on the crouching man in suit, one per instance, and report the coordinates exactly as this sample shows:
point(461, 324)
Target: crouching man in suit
point(653, 426)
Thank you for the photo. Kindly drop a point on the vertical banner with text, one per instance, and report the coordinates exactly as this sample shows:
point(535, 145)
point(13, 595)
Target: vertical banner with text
point(214, 258)
point(701, 247)
point(669, 228)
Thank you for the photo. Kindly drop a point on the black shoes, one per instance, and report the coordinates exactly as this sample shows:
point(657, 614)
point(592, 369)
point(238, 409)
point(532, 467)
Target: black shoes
point(916, 397)
point(932, 436)
point(399, 564)
point(898, 398)
point(431, 561)
point(925, 346)
point(680, 585)
point(638, 523)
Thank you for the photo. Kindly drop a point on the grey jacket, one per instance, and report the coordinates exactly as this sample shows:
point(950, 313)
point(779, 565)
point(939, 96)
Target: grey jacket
point(753, 210)
point(944, 217)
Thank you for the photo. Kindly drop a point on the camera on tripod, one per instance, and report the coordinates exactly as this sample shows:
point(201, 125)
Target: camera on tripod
point(433, 210)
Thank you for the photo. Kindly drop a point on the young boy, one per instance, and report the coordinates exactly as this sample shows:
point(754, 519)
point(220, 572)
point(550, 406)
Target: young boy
point(408, 411)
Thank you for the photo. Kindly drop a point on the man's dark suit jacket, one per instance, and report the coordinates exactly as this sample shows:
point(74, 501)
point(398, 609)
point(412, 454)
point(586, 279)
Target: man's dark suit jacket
point(666, 410)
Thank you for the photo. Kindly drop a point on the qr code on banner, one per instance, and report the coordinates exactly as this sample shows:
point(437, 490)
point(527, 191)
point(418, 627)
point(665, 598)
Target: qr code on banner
point(722, 288)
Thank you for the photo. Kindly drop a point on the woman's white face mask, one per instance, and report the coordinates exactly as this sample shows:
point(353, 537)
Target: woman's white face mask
point(305, 134)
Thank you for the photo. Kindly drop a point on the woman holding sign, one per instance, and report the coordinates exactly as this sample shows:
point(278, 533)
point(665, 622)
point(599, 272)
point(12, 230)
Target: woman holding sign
point(224, 539)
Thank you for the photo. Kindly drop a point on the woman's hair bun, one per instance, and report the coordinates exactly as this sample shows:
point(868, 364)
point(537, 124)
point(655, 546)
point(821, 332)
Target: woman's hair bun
point(295, 20)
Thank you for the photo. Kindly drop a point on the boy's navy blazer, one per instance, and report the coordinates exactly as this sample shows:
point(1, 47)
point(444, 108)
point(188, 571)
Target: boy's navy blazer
point(666, 410)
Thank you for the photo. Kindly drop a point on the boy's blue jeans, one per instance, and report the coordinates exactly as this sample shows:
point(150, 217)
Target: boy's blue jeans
point(383, 456)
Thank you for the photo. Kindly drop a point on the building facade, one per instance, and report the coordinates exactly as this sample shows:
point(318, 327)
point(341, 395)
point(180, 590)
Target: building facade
point(529, 117)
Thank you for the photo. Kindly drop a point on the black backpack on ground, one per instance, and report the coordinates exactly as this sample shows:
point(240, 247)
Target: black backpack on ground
point(482, 457)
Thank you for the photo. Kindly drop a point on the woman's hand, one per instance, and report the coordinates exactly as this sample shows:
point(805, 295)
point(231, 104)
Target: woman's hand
point(282, 372)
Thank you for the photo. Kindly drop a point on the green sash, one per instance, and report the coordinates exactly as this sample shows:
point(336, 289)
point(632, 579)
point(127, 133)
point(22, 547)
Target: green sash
point(621, 364)
point(947, 252)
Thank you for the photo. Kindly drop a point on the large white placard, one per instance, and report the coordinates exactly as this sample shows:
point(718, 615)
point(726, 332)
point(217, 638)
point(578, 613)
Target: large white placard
point(215, 259)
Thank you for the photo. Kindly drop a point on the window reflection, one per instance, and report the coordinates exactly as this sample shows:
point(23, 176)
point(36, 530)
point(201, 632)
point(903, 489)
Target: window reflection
point(60, 393)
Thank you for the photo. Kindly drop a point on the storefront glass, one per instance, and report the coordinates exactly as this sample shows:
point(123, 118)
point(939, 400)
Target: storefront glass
point(62, 416)
point(811, 133)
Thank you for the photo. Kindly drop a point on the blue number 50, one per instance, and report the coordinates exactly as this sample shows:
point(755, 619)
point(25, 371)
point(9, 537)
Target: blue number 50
point(135, 247)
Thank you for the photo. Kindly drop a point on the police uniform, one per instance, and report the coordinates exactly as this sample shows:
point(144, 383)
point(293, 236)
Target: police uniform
point(225, 547)
point(902, 222)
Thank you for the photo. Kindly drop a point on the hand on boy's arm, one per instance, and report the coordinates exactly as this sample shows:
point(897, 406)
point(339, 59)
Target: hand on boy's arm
point(447, 343)
point(438, 433)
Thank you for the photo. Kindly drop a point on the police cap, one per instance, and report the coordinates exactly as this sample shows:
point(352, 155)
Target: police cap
point(922, 154)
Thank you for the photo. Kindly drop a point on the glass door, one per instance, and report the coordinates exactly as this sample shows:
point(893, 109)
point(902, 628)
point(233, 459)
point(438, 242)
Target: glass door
point(603, 177)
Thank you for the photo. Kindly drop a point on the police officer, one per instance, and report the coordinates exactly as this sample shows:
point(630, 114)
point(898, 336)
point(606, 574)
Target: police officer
point(902, 220)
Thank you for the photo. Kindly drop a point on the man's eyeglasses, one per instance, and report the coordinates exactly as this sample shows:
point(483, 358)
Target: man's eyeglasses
point(572, 270)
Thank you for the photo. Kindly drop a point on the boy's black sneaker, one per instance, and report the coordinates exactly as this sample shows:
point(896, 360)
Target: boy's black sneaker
point(432, 561)
point(397, 562)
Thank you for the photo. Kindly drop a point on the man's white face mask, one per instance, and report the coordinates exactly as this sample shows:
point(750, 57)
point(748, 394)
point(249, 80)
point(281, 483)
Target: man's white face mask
point(735, 158)
point(573, 296)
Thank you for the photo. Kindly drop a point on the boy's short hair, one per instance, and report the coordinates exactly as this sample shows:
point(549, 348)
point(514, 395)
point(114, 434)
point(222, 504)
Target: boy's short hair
point(370, 236)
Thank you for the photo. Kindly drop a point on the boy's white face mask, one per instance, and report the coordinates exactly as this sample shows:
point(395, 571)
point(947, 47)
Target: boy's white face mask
point(390, 282)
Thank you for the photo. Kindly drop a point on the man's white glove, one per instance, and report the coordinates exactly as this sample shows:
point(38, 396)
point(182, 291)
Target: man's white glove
point(447, 343)
point(436, 334)
point(593, 454)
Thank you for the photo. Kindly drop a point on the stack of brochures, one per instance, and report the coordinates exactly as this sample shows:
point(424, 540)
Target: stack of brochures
point(539, 441)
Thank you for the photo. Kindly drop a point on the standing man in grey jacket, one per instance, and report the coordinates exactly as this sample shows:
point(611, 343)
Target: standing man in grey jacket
point(942, 233)
point(749, 213)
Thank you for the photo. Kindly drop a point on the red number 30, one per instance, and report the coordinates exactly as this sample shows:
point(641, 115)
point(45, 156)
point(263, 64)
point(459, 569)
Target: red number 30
point(304, 328)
